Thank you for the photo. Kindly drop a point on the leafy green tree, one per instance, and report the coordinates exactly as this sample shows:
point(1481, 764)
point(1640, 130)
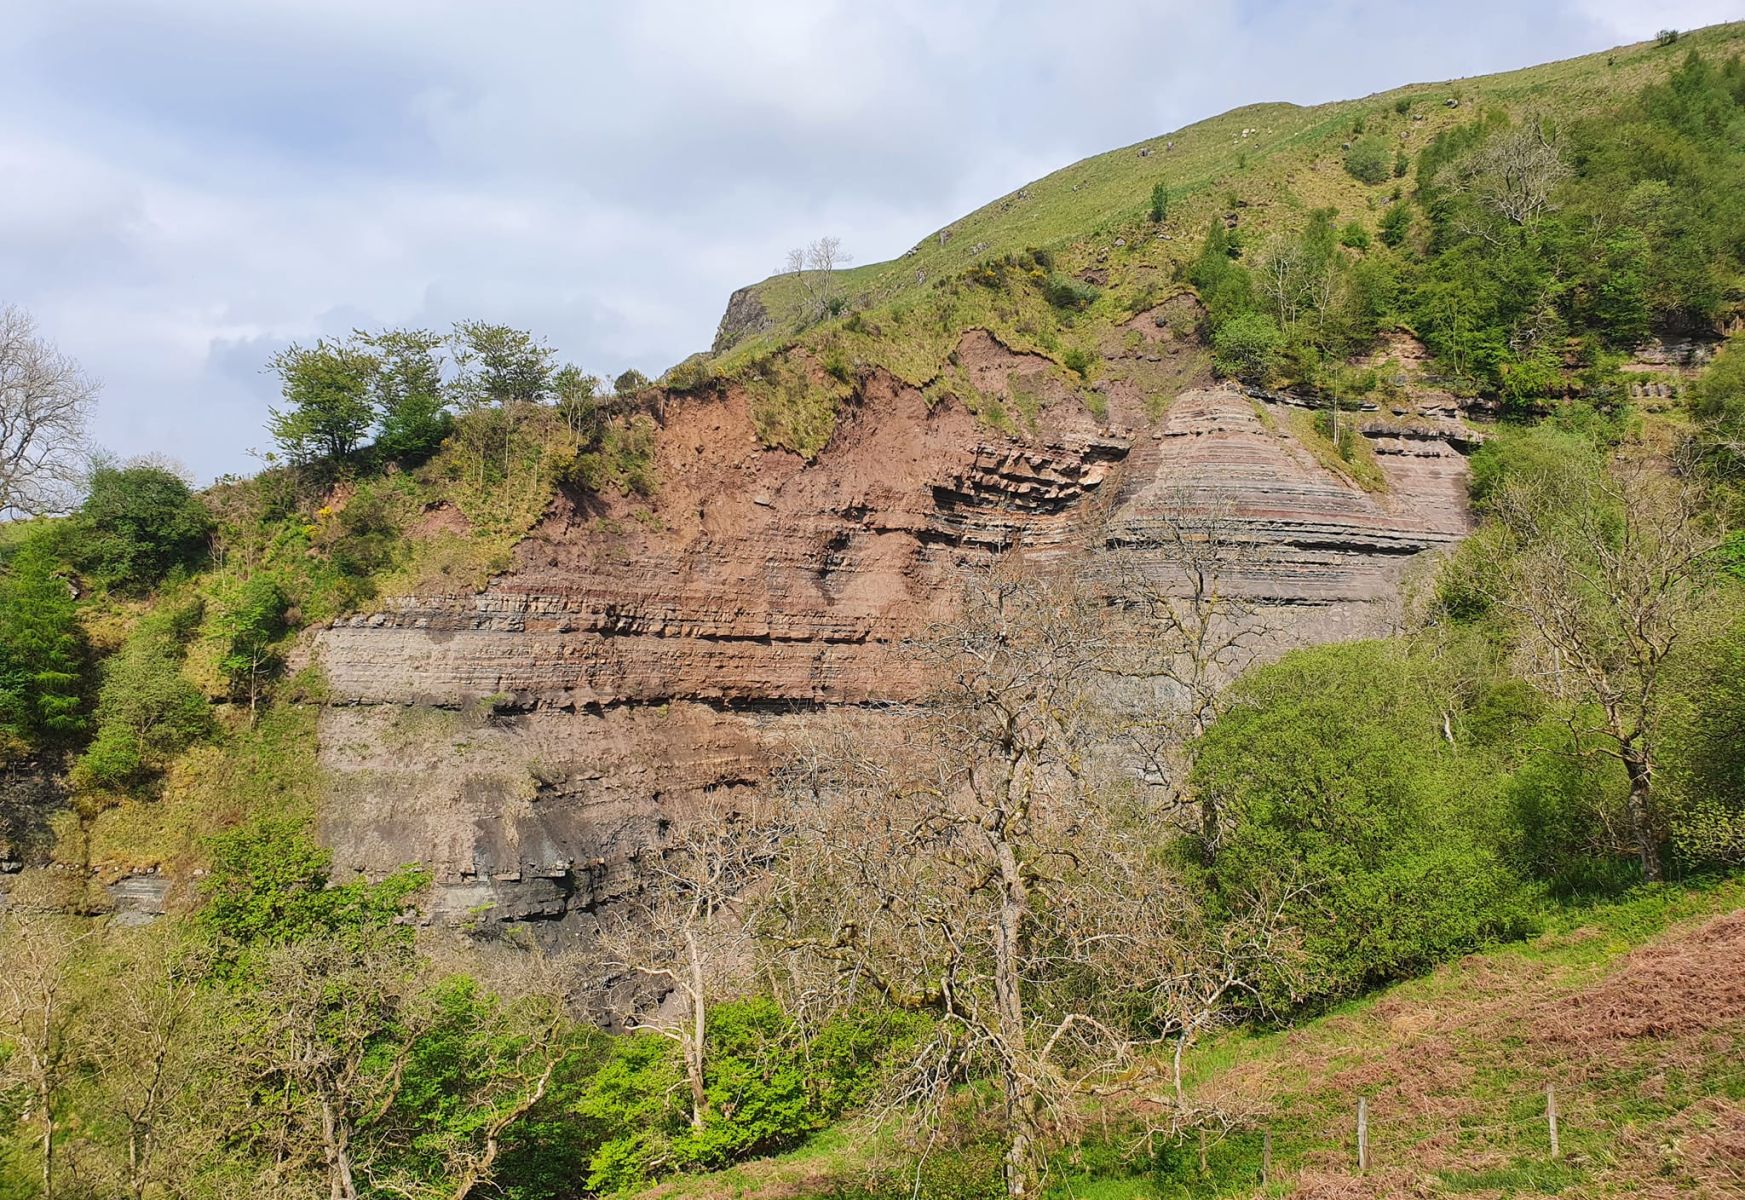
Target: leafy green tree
point(1224, 285)
point(630, 382)
point(499, 365)
point(1337, 787)
point(43, 656)
point(251, 621)
point(327, 392)
point(139, 522)
point(769, 1085)
point(1717, 401)
point(270, 884)
point(147, 710)
point(1159, 202)
point(407, 390)
point(1247, 345)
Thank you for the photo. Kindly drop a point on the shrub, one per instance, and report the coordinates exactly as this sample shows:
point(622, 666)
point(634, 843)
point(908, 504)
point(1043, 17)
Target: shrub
point(1329, 773)
point(1355, 236)
point(1396, 223)
point(1159, 202)
point(1067, 293)
point(1402, 164)
point(1367, 160)
point(138, 523)
point(768, 1086)
point(270, 884)
point(1247, 346)
point(43, 657)
point(1079, 360)
point(147, 710)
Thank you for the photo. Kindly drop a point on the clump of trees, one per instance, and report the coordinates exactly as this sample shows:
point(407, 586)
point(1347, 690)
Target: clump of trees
point(1528, 252)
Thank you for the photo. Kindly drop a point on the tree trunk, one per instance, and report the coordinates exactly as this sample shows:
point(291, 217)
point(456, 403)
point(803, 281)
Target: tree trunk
point(1023, 1180)
point(340, 1184)
point(1641, 772)
point(1023, 1106)
point(45, 1099)
point(699, 1028)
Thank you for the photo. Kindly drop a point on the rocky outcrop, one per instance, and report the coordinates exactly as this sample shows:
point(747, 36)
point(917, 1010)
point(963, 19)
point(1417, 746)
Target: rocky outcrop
point(745, 316)
point(530, 742)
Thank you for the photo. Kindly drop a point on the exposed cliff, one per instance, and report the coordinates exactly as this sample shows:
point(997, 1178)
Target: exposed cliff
point(636, 658)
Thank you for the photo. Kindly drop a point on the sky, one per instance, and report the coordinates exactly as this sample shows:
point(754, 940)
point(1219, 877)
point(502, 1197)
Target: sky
point(186, 186)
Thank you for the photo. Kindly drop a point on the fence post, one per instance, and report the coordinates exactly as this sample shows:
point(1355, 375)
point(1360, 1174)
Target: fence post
point(1363, 1133)
point(1265, 1157)
point(1202, 1149)
point(1551, 1119)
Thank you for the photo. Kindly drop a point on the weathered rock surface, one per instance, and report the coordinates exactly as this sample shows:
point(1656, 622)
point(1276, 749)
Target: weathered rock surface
point(529, 742)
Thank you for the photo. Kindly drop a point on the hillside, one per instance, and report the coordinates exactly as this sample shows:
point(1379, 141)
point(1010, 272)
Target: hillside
point(1266, 602)
point(1634, 1013)
point(1261, 169)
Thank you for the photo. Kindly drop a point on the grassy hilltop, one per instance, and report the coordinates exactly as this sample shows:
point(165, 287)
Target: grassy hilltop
point(1263, 170)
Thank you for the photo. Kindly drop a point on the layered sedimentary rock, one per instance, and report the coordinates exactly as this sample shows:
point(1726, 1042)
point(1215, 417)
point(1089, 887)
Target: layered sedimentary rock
point(529, 742)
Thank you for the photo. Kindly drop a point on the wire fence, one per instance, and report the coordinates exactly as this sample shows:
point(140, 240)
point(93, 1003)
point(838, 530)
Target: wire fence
point(1373, 1135)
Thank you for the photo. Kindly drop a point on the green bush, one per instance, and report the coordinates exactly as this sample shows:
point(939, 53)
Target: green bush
point(270, 884)
point(1159, 202)
point(769, 1086)
point(1067, 293)
point(1367, 160)
point(44, 660)
point(1247, 346)
point(1078, 360)
point(1330, 775)
point(138, 523)
point(147, 710)
point(1395, 224)
point(1354, 236)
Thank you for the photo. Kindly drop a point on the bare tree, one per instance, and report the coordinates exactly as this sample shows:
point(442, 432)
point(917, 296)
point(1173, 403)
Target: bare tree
point(1183, 620)
point(1604, 574)
point(324, 1031)
point(814, 267)
point(690, 931)
point(44, 400)
point(149, 1054)
point(978, 864)
point(1515, 173)
point(39, 1007)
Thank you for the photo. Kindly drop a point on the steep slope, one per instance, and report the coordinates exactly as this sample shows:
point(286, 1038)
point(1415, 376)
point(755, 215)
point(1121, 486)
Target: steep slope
point(635, 659)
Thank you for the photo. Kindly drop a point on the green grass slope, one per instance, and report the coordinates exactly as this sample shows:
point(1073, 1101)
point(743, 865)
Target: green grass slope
point(1057, 267)
point(1279, 155)
point(1634, 1012)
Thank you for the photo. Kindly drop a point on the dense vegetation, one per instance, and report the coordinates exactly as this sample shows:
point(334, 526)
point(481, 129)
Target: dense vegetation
point(1020, 934)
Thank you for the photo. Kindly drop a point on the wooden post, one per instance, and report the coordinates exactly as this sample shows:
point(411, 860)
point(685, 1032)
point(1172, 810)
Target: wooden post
point(1551, 1119)
point(1363, 1133)
point(1265, 1157)
point(1202, 1149)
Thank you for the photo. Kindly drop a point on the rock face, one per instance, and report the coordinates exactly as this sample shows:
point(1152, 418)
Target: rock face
point(528, 743)
point(745, 315)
